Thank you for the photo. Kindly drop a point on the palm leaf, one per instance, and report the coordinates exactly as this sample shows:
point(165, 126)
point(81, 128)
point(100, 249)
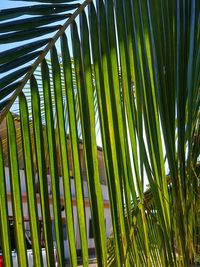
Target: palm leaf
point(130, 68)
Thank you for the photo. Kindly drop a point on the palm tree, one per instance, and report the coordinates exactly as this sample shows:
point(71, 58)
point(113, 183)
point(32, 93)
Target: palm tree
point(140, 60)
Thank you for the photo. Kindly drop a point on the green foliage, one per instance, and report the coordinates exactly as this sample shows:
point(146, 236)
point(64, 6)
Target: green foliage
point(133, 66)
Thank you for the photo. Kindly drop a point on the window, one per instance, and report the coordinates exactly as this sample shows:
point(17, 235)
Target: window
point(64, 231)
point(91, 235)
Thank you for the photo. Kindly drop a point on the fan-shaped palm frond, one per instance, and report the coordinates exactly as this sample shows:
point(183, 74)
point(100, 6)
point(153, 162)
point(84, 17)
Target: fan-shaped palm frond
point(133, 68)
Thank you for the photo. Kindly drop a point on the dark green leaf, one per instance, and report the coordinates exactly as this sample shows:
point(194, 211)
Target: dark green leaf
point(28, 34)
point(12, 77)
point(18, 62)
point(30, 23)
point(16, 52)
point(8, 89)
point(4, 103)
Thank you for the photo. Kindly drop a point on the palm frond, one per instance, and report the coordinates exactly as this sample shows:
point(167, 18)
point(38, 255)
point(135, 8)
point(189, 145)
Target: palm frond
point(131, 67)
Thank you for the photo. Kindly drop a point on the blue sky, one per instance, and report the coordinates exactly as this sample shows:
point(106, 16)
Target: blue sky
point(9, 4)
point(4, 4)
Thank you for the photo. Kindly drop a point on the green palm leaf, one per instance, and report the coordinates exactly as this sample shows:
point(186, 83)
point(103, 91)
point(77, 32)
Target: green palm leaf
point(125, 72)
